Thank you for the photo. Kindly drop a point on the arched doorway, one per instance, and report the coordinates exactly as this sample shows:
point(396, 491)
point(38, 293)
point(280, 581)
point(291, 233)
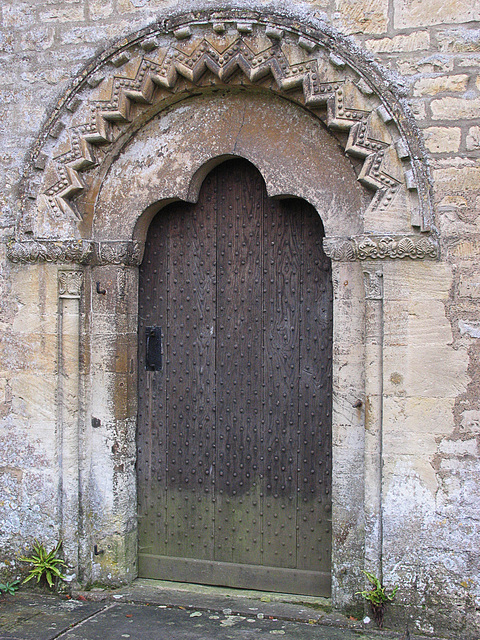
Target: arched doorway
point(138, 127)
point(234, 435)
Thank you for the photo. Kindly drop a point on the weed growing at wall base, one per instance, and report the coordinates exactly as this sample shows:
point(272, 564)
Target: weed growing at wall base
point(377, 597)
point(46, 564)
point(9, 587)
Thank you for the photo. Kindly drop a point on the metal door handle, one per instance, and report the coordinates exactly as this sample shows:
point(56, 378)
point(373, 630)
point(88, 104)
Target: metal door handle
point(153, 348)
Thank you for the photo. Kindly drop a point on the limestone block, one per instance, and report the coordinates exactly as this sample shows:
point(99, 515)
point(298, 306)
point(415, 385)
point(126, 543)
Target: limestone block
point(100, 9)
point(64, 12)
point(402, 43)
point(29, 352)
point(458, 215)
point(18, 14)
point(34, 395)
point(458, 178)
point(38, 38)
point(458, 40)
point(470, 328)
point(394, 357)
point(28, 448)
point(473, 139)
point(408, 499)
point(6, 42)
point(404, 280)
point(3, 390)
point(419, 109)
point(459, 486)
point(466, 249)
point(450, 108)
point(417, 13)
point(431, 64)
point(366, 17)
point(413, 425)
point(458, 447)
point(440, 84)
point(427, 324)
point(468, 60)
point(435, 369)
point(470, 422)
point(443, 139)
point(36, 288)
point(469, 289)
point(129, 6)
point(103, 395)
point(79, 35)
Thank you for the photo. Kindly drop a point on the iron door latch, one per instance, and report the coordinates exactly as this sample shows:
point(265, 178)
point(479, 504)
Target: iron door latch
point(153, 348)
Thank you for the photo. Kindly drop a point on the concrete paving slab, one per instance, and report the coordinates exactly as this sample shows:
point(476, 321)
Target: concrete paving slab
point(29, 615)
point(236, 601)
point(158, 622)
point(153, 610)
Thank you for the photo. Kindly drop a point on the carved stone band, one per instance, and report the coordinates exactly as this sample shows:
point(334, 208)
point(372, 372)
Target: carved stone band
point(75, 251)
point(129, 253)
point(380, 247)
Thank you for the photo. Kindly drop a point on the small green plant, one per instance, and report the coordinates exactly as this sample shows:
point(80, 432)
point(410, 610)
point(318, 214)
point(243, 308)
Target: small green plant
point(377, 597)
point(9, 587)
point(46, 564)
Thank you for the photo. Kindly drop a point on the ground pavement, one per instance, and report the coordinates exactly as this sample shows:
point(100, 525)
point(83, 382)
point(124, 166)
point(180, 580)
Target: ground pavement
point(152, 610)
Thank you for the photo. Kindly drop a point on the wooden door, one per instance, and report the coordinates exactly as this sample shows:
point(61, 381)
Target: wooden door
point(234, 434)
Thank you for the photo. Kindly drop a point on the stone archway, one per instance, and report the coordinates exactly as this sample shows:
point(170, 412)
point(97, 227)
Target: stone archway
point(71, 221)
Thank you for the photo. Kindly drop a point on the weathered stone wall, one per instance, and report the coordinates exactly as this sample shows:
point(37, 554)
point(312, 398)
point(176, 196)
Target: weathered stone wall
point(430, 373)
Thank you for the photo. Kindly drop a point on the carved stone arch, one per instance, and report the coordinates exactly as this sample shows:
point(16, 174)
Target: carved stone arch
point(172, 153)
point(195, 53)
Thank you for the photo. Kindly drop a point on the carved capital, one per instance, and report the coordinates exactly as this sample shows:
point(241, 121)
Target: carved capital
point(340, 249)
point(126, 253)
point(373, 281)
point(70, 284)
point(380, 247)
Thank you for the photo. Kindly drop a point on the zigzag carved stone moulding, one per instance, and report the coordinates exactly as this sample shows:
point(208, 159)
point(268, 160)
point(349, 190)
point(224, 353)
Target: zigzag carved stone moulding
point(196, 53)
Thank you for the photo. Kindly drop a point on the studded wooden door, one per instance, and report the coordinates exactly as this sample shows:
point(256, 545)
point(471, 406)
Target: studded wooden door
point(234, 436)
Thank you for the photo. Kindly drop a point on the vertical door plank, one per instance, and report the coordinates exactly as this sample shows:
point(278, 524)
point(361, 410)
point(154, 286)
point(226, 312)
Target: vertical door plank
point(190, 379)
point(315, 384)
point(282, 232)
point(151, 437)
point(239, 364)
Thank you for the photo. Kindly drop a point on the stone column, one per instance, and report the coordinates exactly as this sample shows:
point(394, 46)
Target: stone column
point(347, 430)
point(69, 289)
point(373, 280)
